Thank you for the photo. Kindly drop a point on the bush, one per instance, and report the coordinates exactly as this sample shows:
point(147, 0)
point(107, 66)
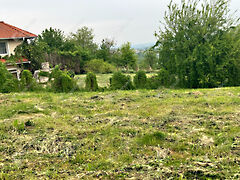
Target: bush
point(27, 81)
point(121, 81)
point(99, 66)
point(44, 73)
point(7, 82)
point(11, 85)
point(140, 80)
point(62, 82)
point(163, 77)
point(153, 82)
point(91, 82)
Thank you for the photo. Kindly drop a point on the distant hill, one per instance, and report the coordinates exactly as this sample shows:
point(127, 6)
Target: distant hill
point(142, 46)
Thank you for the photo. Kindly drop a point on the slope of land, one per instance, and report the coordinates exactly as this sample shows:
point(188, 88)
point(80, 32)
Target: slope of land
point(121, 134)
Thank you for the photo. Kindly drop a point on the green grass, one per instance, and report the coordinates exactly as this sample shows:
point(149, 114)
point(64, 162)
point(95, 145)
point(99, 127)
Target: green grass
point(179, 134)
point(102, 79)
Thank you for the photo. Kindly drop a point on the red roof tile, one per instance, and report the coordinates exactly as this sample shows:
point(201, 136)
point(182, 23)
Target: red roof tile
point(17, 61)
point(2, 60)
point(11, 32)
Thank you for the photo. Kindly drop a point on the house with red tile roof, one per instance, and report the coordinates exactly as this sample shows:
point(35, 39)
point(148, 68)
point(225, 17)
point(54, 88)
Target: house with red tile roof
point(11, 37)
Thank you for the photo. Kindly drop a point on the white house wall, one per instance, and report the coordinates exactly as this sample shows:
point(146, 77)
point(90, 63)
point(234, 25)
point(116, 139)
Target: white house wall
point(12, 44)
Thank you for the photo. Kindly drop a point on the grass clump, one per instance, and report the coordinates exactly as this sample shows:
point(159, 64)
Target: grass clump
point(20, 127)
point(152, 139)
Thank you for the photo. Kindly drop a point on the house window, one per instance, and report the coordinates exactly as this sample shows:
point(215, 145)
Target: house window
point(3, 48)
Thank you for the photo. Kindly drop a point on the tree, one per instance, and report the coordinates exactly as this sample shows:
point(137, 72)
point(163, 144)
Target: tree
point(150, 58)
point(105, 52)
point(33, 50)
point(195, 47)
point(127, 56)
point(54, 39)
point(84, 39)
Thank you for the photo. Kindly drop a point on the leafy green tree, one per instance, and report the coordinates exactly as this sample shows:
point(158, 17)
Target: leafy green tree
point(150, 58)
point(195, 45)
point(105, 52)
point(84, 41)
point(33, 50)
point(54, 39)
point(127, 57)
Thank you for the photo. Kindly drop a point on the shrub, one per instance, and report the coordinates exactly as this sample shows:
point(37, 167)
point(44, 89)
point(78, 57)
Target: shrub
point(163, 77)
point(62, 82)
point(153, 82)
point(140, 80)
point(11, 85)
point(121, 81)
point(91, 82)
point(7, 82)
point(99, 66)
point(27, 81)
point(44, 73)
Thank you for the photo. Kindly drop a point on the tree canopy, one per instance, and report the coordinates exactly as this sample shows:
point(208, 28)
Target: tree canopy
point(198, 42)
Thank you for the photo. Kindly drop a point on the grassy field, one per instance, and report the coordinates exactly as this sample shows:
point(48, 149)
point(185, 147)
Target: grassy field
point(178, 134)
point(102, 79)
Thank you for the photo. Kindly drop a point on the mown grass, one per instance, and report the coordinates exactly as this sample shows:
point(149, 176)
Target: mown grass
point(191, 134)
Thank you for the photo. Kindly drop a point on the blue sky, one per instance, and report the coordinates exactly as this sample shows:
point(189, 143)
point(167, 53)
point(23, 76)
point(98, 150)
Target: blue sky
point(122, 20)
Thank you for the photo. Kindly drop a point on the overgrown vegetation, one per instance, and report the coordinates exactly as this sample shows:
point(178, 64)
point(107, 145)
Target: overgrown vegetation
point(121, 81)
point(140, 80)
point(188, 134)
point(91, 82)
point(198, 44)
point(7, 82)
point(62, 82)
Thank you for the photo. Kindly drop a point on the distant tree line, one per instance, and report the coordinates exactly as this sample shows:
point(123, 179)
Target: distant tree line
point(78, 52)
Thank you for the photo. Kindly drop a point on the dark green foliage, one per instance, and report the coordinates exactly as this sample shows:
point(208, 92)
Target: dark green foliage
point(53, 38)
point(105, 52)
point(150, 59)
point(11, 85)
point(91, 82)
point(99, 66)
point(121, 81)
point(152, 139)
point(125, 57)
point(62, 82)
point(140, 80)
point(34, 51)
point(44, 74)
point(8, 83)
point(27, 80)
point(153, 82)
point(198, 45)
